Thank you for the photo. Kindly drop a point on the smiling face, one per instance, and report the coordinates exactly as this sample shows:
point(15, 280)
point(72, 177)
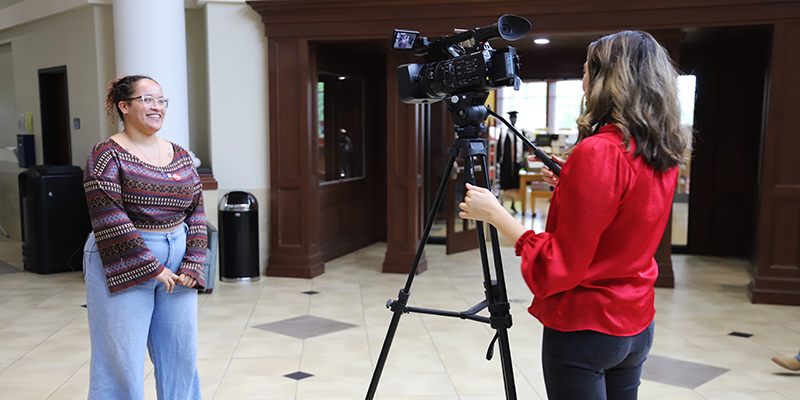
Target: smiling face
point(138, 115)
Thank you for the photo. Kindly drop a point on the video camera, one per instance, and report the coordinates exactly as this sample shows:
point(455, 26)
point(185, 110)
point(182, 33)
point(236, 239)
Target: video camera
point(468, 64)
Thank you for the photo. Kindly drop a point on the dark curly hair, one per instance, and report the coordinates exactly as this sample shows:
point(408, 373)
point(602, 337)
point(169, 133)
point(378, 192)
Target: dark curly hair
point(121, 89)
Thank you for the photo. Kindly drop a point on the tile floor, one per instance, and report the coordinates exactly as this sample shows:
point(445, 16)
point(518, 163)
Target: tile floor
point(254, 344)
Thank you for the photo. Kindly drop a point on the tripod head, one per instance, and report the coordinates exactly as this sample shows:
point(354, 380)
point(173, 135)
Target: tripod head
point(468, 113)
point(467, 110)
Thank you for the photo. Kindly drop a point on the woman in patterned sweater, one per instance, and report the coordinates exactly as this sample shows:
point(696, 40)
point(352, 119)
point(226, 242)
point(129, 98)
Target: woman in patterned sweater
point(144, 259)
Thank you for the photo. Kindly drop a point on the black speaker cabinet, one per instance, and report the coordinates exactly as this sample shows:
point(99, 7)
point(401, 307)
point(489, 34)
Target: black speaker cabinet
point(55, 220)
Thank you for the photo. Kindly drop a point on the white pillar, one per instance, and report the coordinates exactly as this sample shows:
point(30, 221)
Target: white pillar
point(150, 39)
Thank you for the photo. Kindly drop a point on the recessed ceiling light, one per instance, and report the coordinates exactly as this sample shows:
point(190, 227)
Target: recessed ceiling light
point(341, 78)
point(541, 41)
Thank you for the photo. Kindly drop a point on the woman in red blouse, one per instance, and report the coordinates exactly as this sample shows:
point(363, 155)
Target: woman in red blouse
point(592, 271)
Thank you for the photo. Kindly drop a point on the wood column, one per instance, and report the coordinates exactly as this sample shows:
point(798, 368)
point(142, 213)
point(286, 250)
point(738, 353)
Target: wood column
point(776, 275)
point(294, 195)
point(404, 167)
point(671, 40)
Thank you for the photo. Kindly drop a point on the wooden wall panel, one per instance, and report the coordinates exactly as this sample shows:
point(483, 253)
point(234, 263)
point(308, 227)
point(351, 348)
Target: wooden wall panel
point(288, 233)
point(288, 157)
point(404, 177)
point(786, 246)
point(776, 276)
point(294, 214)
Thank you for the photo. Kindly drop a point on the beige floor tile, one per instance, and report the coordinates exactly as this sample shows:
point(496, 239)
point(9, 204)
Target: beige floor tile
point(216, 349)
point(430, 398)
point(283, 348)
point(209, 386)
point(69, 335)
point(71, 391)
point(349, 366)
point(254, 387)
point(488, 383)
point(220, 334)
point(57, 354)
point(81, 376)
point(34, 372)
point(324, 347)
point(41, 323)
point(10, 354)
point(401, 382)
point(27, 391)
point(333, 387)
point(741, 395)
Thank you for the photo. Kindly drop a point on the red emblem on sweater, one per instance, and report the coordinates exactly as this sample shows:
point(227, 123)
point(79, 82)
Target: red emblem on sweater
point(176, 177)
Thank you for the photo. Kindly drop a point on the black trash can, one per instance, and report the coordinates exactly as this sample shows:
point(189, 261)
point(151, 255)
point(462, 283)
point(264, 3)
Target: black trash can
point(238, 237)
point(54, 218)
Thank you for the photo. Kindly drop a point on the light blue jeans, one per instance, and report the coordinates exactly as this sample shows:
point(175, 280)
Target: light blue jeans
point(123, 324)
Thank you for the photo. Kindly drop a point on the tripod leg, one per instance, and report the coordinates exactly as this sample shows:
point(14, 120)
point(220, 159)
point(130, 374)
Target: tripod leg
point(495, 293)
point(501, 309)
point(399, 306)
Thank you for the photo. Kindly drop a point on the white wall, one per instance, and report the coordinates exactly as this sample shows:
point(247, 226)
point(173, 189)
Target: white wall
point(8, 108)
point(77, 39)
point(237, 93)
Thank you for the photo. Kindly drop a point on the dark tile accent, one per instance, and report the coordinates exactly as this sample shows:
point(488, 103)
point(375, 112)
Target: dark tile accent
point(298, 375)
point(679, 373)
point(6, 268)
point(740, 334)
point(310, 292)
point(305, 327)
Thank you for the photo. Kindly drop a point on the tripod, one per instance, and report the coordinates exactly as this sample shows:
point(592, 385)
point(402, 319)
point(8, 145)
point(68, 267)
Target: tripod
point(467, 112)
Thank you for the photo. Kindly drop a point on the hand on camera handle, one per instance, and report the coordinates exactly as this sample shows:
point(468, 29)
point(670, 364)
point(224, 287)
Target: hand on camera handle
point(549, 176)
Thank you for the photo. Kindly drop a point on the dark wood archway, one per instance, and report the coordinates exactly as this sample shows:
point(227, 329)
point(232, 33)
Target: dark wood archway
point(291, 24)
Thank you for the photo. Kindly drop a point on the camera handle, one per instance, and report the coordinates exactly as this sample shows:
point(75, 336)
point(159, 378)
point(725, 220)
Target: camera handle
point(539, 153)
point(496, 298)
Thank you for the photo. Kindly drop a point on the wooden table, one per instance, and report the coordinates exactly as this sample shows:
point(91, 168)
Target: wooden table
point(542, 192)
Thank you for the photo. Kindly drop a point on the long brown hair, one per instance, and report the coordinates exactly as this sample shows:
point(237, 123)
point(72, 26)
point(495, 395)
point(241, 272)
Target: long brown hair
point(633, 84)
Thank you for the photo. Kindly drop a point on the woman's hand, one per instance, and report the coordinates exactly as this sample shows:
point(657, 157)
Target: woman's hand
point(168, 278)
point(186, 280)
point(549, 176)
point(480, 204)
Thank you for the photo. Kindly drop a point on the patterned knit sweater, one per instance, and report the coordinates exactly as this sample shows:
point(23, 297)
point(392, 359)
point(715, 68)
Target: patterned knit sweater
point(124, 193)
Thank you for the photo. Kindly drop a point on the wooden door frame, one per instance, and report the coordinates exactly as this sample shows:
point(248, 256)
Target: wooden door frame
point(289, 26)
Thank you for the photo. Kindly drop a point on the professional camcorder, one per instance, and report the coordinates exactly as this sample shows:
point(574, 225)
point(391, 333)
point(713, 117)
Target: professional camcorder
point(468, 64)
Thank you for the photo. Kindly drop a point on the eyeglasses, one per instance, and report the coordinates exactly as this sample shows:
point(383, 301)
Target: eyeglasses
point(151, 101)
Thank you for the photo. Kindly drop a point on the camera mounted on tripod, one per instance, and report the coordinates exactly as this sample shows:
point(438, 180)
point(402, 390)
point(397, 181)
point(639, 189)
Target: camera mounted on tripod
point(467, 70)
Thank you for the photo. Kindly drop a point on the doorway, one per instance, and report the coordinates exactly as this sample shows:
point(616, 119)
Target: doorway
point(350, 148)
point(54, 106)
point(731, 66)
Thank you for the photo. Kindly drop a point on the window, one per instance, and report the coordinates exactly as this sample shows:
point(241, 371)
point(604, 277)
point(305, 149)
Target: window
point(543, 105)
point(566, 97)
point(686, 93)
point(530, 102)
